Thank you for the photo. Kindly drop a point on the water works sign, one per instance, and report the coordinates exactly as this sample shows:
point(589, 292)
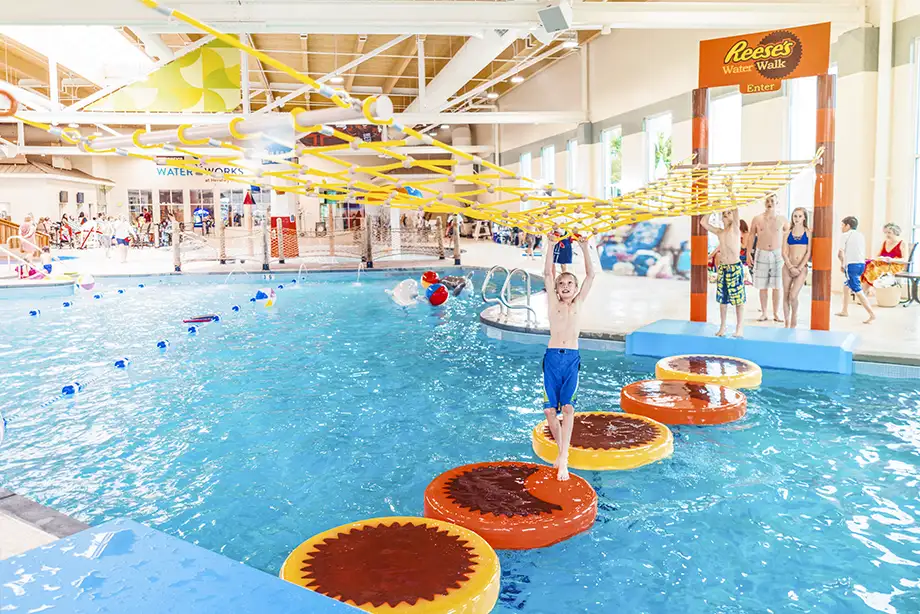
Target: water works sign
point(173, 171)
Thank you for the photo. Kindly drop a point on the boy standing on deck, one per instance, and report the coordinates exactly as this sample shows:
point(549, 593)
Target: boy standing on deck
point(852, 256)
point(561, 361)
point(730, 272)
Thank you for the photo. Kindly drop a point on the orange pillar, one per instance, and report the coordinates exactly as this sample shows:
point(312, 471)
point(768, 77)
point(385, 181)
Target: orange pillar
point(699, 244)
point(823, 231)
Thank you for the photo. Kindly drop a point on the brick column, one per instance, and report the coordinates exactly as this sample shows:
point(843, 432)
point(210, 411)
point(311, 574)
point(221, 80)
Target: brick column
point(823, 225)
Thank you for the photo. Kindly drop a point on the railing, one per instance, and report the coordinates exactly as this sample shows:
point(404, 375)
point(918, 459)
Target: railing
point(503, 305)
point(506, 294)
point(9, 235)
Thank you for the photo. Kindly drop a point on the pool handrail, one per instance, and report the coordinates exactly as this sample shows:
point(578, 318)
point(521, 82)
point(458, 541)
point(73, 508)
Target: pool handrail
point(506, 294)
point(503, 306)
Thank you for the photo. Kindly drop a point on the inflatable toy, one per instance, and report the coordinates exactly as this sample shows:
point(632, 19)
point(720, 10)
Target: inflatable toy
point(202, 319)
point(429, 278)
point(405, 293)
point(399, 565)
point(512, 505)
point(607, 440)
point(122, 363)
point(162, 344)
point(437, 294)
point(676, 402)
point(709, 369)
point(86, 282)
point(265, 297)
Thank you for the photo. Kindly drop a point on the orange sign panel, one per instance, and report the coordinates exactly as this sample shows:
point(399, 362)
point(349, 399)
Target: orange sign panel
point(760, 62)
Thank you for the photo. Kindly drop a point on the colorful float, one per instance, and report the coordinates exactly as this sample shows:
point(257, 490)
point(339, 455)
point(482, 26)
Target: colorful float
point(677, 402)
point(710, 369)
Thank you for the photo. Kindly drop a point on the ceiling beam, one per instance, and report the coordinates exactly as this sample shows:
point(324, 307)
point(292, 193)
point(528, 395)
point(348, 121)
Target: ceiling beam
point(435, 16)
point(263, 78)
point(400, 68)
point(359, 49)
point(153, 45)
point(305, 68)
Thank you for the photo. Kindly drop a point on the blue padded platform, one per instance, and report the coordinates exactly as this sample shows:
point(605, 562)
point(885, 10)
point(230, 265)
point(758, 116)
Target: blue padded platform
point(777, 348)
point(122, 567)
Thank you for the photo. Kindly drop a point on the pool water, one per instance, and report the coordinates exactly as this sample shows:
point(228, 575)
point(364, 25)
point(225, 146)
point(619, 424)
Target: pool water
point(337, 405)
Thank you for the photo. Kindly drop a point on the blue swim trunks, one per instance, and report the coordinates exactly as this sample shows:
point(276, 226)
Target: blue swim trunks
point(854, 272)
point(562, 252)
point(560, 377)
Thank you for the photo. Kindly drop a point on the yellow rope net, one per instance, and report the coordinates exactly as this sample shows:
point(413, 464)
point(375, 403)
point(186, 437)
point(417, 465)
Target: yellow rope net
point(686, 190)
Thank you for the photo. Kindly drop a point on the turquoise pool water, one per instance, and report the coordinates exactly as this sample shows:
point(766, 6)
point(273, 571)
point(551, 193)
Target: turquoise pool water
point(337, 405)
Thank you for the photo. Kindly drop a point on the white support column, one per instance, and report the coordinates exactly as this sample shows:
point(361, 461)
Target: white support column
point(54, 84)
point(244, 76)
point(883, 115)
point(422, 80)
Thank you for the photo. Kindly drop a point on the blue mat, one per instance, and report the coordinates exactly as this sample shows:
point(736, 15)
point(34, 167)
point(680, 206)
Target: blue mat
point(126, 568)
point(778, 348)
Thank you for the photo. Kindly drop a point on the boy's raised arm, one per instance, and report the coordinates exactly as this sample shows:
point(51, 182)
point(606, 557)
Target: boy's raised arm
point(589, 269)
point(548, 280)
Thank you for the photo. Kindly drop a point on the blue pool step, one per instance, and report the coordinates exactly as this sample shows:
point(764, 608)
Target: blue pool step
point(778, 348)
point(124, 567)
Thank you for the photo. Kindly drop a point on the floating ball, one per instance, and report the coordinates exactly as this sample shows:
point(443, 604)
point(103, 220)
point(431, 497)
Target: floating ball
point(437, 294)
point(265, 297)
point(193, 330)
point(122, 363)
point(68, 304)
point(140, 285)
point(429, 278)
point(121, 291)
point(235, 308)
point(72, 388)
point(163, 344)
point(97, 296)
point(35, 313)
point(86, 282)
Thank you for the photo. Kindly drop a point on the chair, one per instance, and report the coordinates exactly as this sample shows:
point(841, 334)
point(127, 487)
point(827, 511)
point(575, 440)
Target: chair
point(912, 277)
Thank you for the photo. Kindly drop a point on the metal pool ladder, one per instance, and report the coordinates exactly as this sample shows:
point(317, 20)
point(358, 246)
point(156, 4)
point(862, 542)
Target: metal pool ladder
point(504, 295)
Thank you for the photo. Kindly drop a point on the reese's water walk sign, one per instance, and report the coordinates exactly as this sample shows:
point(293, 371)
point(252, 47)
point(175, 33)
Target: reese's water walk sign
point(760, 62)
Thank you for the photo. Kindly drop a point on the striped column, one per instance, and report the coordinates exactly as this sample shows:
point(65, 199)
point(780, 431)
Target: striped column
point(823, 225)
point(699, 247)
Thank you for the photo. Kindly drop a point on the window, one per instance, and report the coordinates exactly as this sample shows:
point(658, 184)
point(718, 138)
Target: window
point(171, 204)
point(658, 133)
point(725, 130)
point(571, 165)
point(231, 207)
point(915, 213)
point(612, 173)
point(201, 197)
point(138, 201)
point(803, 110)
point(526, 166)
point(548, 164)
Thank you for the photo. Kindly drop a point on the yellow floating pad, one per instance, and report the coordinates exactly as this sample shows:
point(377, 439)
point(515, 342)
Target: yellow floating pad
point(608, 440)
point(399, 564)
point(710, 369)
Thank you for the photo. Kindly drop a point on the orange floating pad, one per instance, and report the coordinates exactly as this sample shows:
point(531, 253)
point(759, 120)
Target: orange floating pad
point(513, 506)
point(675, 402)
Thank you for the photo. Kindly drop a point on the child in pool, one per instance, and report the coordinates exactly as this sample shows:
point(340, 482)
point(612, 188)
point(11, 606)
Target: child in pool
point(561, 361)
point(730, 272)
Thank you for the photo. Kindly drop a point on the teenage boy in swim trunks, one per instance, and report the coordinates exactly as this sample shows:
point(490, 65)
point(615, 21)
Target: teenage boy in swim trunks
point(852, 256)
point(561, 360)
point(730, 272)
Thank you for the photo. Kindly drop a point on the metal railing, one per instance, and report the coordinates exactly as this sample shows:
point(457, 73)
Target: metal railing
point(504, 294)
point(485, 285)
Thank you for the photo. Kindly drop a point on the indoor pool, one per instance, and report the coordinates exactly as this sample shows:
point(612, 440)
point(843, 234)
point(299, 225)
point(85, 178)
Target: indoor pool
point(336, 405)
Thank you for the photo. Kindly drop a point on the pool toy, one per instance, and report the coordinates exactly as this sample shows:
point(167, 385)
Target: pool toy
point(162, 344)
point(265, 297)
point(35, 313)
point(608, 440)
point(202, 319)
point(72, 388)
point(677, 402)
point(122, 363)
point(437, 294)
point(399, 565)
point(86, 282)
point(512, 505)
point(192, 330)
point(405, 293)
point(235, 308)
point(428, 278)
point(710, 369)
point(67, 304)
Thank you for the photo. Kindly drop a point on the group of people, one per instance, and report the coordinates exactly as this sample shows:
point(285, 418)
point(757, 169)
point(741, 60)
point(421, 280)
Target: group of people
point(779, 252)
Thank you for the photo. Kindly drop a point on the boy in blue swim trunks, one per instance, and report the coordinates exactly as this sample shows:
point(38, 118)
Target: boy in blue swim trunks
point(562, 254)
point(852, 256)
point(562, 361)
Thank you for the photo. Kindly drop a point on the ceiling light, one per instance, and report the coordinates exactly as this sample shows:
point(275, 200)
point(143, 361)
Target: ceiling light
point(517, 79)
point(492, 95)
point(336, 80)
point(445, 127)
point(570, 44)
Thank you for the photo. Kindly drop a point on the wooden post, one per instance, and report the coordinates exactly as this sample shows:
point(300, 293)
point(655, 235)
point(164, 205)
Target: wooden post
point(699, 244)
point(368, 241)
point(279, 227)
point(440, 232)
point(823, 227)
point(457, 239)
point(221, 233)
point(330, 226)
point(266, 242)
point(177, 256)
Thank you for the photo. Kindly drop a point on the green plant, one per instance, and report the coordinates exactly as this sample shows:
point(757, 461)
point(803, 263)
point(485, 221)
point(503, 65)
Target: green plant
point(616, 159)
point(662, 152)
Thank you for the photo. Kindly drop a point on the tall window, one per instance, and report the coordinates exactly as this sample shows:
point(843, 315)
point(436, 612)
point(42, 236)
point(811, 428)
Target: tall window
point(725, 129)
point(571, 165)
point(548, 164)
point(658, 133)
point(526, 167)
point(915, 213)
point(139, 200)
point(171, 203)
point(803, 109)
point(612, 173)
